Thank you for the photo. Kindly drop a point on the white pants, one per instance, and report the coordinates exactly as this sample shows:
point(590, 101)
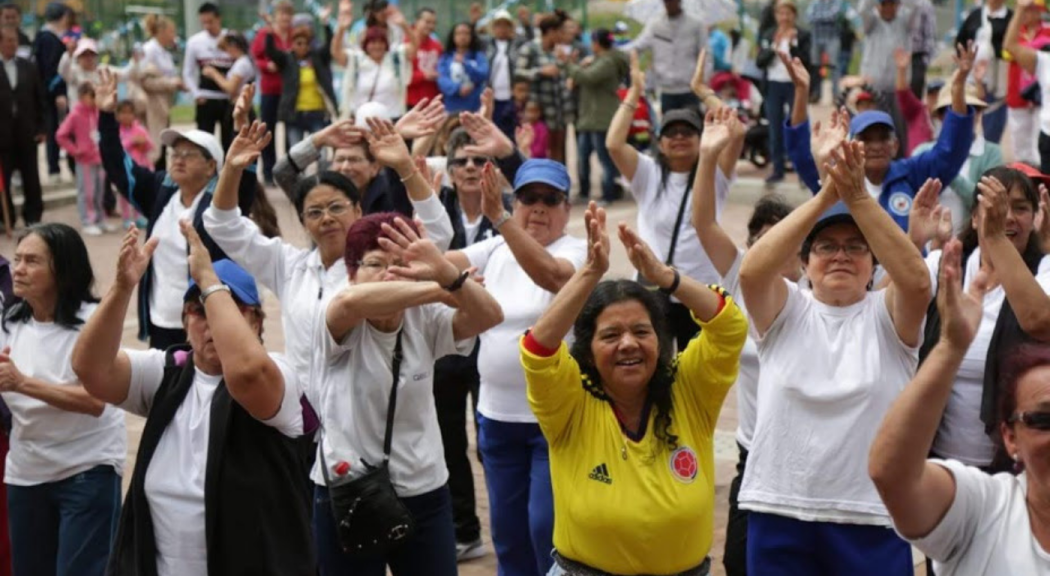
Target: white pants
point(1024, 132)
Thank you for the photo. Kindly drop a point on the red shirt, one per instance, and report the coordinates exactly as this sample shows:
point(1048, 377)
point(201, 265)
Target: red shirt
point(426, 60)
point(269, 82)
point(1017, 79)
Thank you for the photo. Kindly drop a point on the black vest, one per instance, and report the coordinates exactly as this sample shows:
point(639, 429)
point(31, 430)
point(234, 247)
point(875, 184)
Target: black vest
point(257, 519)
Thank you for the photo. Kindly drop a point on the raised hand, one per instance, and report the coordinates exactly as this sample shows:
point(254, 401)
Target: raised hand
point(1042, 219)
point(491, 193)
point(964, 58)
point(995, 202)
point(796, 70)
point(488, 139)
point(201, 269)
point(243, 106)
point(345, 19)
point(106, 90)
point(324, 14)
point(637, 76)
point(133, 260)
point(717, 133)
point(388, 146)
point(961, 312)
point(11, 378)
point(488, 103)
point(847, 172)
point(421, 259)
point(424, 119)
point(902, 58)
point(597, 239)
point(435, 178)
point(248, 145)
point(340, 135)
point(929, 220)
point(697, 83)
point(644, 260)
point(828, 137)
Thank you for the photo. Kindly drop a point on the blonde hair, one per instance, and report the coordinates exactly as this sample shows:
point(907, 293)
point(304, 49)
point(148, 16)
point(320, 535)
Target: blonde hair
point(284, 6)
point(154, 23)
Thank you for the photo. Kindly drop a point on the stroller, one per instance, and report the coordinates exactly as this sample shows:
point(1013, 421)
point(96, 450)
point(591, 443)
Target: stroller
point(735, 91)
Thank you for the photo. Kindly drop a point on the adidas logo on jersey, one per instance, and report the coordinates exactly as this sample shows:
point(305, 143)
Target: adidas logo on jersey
point(601, 474)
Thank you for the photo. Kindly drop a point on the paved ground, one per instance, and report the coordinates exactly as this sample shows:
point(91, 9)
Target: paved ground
point(748, 188)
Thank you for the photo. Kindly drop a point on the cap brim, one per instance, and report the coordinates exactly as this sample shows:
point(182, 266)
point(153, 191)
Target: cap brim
point(194, 292)
point(539, 180)
point(169, 136)
point(694, 125)
point(829, 221)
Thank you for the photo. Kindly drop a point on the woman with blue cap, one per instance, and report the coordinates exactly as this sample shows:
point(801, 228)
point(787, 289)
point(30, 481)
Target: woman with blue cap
point(218, 451)
point(524, 267)
point(833, 360)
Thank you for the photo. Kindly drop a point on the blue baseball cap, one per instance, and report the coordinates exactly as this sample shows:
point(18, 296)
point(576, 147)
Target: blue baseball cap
point(542, 171)
point(837, 214)
point(865, 120)
point(238, 279)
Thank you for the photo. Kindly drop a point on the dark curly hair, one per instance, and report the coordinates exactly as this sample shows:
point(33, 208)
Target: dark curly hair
point(611, 292)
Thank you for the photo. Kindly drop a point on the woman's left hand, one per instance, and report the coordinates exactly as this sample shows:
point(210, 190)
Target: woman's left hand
point(644, 260)
point(421, 259)
point(424, 119)
point(847, 172)
point(960, 311)
point(994, 201)
point(388, 146)
point(11, 378)
point(248, 145)
point(201, 269)
point(210, 72)
point(597, 239)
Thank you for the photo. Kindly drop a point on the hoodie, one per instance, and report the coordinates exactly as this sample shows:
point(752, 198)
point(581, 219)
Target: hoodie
point(78, 134)
point(137, 143)
point(597, 85)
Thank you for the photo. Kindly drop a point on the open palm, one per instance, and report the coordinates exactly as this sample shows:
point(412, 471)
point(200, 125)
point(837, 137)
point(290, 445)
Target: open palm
point(717, 133)
point(828, 137)
point(133, 259)
point(248, 145)
point(961, 311)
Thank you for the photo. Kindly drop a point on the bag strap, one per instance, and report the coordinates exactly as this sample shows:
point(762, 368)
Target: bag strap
point(371, 95)
point(392, 405)
point(677, 227)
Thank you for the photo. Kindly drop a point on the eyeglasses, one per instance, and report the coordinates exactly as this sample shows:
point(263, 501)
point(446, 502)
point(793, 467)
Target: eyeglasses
point(378, 265)
point(186, 154)
point(829, 249)
point(348, 160)
point(679, 131)
point(478, 161)
point(549, 200)
point(318, 212)
point(1034, 420)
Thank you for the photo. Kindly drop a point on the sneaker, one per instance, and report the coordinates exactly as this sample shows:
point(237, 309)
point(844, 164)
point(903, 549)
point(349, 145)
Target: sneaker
point(469, 550)
point(91, 230)
point(108, 226)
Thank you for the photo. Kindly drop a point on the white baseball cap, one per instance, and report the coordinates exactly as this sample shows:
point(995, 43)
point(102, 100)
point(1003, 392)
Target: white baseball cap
point(502, 15)
point(370, 110)
point(205, 141)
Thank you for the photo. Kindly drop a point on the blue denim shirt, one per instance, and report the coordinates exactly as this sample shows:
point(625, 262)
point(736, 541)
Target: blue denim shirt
point(904, 177)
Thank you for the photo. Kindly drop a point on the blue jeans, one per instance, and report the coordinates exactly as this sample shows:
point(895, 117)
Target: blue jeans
point(670, 102)
point(430, 552)
point(779, 95)
point(64, 528)
point(305, 123)
point(588, 143)
point(521, 501)
point(993, 123)
point(777, 545)
point(831, 47)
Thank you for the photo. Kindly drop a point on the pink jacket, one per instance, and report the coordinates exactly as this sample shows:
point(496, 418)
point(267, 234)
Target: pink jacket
point(136, 141)
point(78, 135)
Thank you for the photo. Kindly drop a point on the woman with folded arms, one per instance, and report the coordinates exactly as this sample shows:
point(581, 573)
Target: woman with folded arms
point(969, 522)
point(629, 421)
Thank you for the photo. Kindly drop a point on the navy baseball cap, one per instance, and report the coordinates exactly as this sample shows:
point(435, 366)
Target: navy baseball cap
point(542, 171)
point(865, 120)
point(238, 279)
point(837, 214)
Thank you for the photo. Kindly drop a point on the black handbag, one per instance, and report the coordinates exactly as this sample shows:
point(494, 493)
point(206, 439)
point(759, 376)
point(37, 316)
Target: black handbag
point(370, 518)
point(664, 297)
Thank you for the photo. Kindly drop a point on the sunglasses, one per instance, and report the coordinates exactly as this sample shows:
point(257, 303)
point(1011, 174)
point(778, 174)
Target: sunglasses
point(549, 200)
point(679, 131)
point(1034, 420)
point(478, 161)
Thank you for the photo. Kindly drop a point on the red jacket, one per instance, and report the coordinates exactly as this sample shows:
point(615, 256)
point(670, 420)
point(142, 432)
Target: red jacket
point(269, 82)
point(1017, 80)
point(426, 59)
point(78, 135)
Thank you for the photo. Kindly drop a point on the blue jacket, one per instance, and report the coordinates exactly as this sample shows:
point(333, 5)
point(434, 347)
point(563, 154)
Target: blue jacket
point(477, 67)
point(905, 177)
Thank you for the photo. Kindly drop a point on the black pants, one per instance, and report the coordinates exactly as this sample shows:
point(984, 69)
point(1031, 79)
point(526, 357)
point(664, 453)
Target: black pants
point(682, 325)
point(1044, 153)
point(213, 112)
point(51, 117)
point(268, 114)
point(164, 338)
point(918, 75)
point(22, 159)
point(735, 557)
point(456, 379)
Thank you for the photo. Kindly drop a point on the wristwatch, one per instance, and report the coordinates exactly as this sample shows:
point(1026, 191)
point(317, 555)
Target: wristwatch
point(502, 220)
point(213, 289)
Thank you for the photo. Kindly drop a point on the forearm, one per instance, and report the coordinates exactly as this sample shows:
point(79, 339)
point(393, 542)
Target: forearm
point(765, 259)
point(476, 310)
point(338, 54)
point(543, 268)
point(226, 189)
point(703, 302)
point(902, 79)
point(417, 187)
point(1027, 298)
point(620, 127)
point(714, 240)
point(891, 246)
point(71, 398)
point(560, 315)
point(800, 109)
point(379, 299)
point(95, 353)
point(959, 95)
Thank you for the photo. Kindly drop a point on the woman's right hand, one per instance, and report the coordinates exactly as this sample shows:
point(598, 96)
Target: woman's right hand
point(960, 311)
point(133, 260)
point(597, 240)
point(637, 75)
point(106, 91)
point(243, 106)
point(994, 203)
point(491, 193)
point(424, 119)
point(644, 259)
point(247, 146)
point(796, 70)
point(717, 133)
point(340, 134)
point(828, 137)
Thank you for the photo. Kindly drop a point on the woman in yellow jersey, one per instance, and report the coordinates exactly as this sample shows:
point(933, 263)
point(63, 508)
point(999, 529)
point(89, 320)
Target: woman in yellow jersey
point(630, 424)
point(307, 96)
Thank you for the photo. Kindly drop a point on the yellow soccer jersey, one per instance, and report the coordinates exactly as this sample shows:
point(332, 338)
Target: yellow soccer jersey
point(630, 507)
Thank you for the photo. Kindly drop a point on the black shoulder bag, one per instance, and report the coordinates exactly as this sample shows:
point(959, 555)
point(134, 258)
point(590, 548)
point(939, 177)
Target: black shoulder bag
point(660, 294)
point(370, 518)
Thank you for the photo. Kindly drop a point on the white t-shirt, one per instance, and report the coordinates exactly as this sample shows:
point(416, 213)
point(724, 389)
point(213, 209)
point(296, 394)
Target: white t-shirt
point(47, 443)
point(987, 530)
point(355, 391)
point(829, 374)
point(244, 68)
point(1042, 74)
point(171, 273)
point(747, 377)
point(658, 210)
point(502, 395)
point(501, 84)
point(961, 435)
point(175, 478)
point(383, 81)
point(156, 55)
point(777, 72)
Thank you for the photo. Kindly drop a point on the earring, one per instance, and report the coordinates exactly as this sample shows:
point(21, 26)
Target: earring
point(1017, 457)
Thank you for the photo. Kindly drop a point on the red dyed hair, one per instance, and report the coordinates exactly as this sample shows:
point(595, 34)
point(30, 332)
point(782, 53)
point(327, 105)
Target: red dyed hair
point(364, 234)
point(1024, 359)
point(375, 33)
